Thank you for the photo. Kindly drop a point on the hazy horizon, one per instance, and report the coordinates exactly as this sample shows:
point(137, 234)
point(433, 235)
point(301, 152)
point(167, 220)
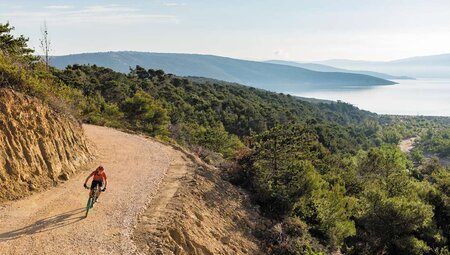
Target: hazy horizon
point(255, 30)
point(293, 60)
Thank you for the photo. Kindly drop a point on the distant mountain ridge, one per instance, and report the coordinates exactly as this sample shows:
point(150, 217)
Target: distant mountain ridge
point(327, 68)
point(434, 66)
point(274, 77)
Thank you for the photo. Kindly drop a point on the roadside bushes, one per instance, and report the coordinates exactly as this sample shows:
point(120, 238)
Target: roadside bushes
point(95, 110)
point(22, 71)
point(207, 141)
point(142, 112)
point(36, 80)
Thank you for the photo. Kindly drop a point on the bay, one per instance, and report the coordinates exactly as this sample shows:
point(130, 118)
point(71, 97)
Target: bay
point(428, 97)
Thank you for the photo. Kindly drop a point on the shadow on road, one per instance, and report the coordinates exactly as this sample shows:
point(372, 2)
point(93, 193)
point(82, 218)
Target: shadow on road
point(46, 224)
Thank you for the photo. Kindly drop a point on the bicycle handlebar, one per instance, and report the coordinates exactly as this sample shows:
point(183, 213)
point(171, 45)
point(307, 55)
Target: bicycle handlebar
point(100, 189)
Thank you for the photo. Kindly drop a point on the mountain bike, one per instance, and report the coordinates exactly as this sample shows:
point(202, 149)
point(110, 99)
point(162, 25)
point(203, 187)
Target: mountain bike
point(92, 198)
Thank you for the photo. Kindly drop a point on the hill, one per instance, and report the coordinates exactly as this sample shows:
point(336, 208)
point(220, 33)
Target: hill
point(280, 78)
point(326, 68)
point(434, 66)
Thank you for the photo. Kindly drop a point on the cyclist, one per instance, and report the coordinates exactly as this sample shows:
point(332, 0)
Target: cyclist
point(99, 176)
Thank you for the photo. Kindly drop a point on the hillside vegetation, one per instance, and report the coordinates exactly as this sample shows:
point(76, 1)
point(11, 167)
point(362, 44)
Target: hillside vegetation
point(214, 115)
point(329, 177)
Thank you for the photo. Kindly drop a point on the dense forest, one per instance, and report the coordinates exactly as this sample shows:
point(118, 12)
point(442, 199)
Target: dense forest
point(330, 176)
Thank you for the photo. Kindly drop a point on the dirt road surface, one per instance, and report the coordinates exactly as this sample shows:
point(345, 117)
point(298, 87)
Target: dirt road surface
point(407, 144)
point(53, 222)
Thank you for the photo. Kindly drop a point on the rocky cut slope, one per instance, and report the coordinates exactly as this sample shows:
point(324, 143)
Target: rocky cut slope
point(197, 212)
point(38, 147)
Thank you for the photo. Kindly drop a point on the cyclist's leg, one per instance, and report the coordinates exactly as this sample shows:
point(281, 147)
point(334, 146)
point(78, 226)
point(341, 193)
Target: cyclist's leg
point(93, 184)
point(100, 186)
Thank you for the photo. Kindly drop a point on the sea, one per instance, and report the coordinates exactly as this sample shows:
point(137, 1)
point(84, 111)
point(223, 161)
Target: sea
point(420, 97)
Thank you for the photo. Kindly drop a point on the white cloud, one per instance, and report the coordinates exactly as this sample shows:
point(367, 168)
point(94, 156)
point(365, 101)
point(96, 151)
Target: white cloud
point(58, 7)
point(113, 8)
point(95, 14)
point(175, 4)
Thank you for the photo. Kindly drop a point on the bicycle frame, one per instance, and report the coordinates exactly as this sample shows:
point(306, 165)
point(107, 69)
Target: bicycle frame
point(92, 197)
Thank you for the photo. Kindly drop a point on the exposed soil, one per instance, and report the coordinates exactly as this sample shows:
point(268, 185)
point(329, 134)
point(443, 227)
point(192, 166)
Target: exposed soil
point(39, 147)
point(199, 213)
point(407, 145)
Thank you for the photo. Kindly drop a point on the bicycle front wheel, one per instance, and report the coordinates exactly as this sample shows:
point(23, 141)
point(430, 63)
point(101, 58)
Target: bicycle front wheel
point(88, 206)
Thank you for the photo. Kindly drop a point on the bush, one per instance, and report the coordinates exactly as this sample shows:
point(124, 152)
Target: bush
point(144, 113)
point(214, 139)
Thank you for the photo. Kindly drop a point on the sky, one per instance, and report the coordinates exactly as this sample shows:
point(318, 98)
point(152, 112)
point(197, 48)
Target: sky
point(299, 30)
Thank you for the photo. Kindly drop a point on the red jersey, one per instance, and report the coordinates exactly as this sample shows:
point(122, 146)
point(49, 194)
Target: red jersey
point(98, 176)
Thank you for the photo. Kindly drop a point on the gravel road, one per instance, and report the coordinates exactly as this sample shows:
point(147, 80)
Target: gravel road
point(53, 222)
point(407, 145)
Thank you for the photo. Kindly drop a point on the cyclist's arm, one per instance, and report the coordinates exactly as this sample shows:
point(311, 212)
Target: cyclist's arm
point(87, 179)
point(104, 178)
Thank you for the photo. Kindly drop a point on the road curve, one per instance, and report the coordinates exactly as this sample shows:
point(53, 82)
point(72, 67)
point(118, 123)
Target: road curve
point(53, 222)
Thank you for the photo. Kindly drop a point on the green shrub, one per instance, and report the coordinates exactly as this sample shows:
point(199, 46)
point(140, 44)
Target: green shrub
point(142, 112)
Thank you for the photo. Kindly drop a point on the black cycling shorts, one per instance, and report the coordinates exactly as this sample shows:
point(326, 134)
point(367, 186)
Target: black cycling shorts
point(95, 183)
